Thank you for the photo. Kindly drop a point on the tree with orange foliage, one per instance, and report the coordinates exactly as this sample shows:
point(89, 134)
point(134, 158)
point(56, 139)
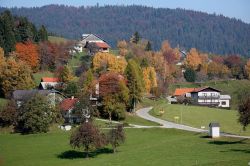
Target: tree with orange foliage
point(193, 60)
point(28, 52)
point(247, 69)
point(109, 62)
point(172, 56)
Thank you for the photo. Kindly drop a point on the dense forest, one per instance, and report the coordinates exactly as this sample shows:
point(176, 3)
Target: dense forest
point(183, 28)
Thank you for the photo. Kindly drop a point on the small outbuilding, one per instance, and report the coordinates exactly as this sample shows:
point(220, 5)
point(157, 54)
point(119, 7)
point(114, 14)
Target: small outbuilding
point(214, 130)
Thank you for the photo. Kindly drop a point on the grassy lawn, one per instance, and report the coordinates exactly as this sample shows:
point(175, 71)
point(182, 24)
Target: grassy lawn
point(56, 39)
point(39, 75)
point(2, 102)
point(76, 60)
point(133, 119)
point(232, 87)
point(142, 147)
point(201, 116)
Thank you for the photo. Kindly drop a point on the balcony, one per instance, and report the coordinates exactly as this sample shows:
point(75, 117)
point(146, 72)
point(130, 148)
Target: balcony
point(209, 97)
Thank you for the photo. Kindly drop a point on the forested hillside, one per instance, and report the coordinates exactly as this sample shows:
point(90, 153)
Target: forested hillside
point(206, 32)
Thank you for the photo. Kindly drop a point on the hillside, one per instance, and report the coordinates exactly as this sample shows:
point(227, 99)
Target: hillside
point(232, 87)
point(206, 32)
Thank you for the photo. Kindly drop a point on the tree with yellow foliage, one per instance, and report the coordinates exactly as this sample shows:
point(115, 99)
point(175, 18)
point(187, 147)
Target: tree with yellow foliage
point(109, 62)
point(14, 74)
point(122, 46)
point(247, 69)
point(193, 59)
point(149, 76)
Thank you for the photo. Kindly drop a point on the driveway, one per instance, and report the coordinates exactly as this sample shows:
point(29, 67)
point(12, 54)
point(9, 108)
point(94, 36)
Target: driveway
point(143, 113)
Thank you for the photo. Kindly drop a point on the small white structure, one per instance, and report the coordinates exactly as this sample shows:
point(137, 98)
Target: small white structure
point(214, 130)
point(224, 101)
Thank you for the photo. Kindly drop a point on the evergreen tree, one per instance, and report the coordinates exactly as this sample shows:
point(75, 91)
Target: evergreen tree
point(8, 36)
point(190, 75)
point(43, 34)
point(148, 46)
point(135, 38)
point(135, 83)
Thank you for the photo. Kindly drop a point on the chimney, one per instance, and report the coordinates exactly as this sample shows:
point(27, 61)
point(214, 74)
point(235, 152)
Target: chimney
point(72, 97)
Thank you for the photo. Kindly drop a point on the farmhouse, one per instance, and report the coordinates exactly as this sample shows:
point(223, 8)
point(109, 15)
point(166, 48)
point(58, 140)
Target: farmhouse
point(207, 96)
point(67, 107)
point(49, 83)
point(92, 43)
point(54, 97)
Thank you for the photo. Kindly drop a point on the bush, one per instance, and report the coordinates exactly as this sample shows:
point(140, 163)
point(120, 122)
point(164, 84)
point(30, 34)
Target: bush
point(190, 75)
point(35, 115)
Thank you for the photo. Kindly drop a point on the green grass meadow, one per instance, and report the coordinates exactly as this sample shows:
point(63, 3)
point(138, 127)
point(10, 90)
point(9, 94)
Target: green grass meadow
point(56, 39)
point(142, 147)
point(198, 116)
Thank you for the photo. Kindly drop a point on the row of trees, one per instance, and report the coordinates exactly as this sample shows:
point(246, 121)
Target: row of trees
point(18, 29)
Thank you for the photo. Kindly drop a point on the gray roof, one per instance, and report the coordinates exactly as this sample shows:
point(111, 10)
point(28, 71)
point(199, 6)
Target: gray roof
point(214, 124)
point(225, 97)
point(90, 37)
point(21, 95)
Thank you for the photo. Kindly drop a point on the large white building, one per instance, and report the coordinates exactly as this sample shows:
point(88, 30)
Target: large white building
point(207, 96)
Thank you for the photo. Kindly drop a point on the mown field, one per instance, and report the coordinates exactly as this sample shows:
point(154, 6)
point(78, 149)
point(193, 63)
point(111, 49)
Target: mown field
point(142, 147)
point(56, 39)
point(198, 116)
point(231, 87)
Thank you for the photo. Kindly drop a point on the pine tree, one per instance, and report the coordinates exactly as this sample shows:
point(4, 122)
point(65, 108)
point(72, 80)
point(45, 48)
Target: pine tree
point(148, 46)
point(43, 34)
point(7, 24)
point(135, 83)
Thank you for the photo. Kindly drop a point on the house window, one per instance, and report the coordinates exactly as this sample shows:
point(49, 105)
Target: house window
point(223, 103)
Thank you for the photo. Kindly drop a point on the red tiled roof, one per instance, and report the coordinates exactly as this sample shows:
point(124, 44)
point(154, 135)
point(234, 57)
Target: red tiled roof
point(50, 79)
point(183, 91)
point(68, 103)
point(102, 45)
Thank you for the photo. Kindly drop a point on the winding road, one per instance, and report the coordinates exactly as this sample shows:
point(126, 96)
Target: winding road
point(143, 113)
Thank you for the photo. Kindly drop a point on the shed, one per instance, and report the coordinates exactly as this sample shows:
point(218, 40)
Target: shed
point(214, 130)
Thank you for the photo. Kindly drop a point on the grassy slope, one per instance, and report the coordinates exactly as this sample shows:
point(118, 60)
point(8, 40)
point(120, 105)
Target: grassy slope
point(39, 75)
point(232, 87)
point(142, 147)
point(56, 39)
point(2, 102)
point(201, 116)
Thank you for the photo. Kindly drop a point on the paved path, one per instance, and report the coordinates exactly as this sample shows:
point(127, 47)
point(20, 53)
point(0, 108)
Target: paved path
point(143, 113)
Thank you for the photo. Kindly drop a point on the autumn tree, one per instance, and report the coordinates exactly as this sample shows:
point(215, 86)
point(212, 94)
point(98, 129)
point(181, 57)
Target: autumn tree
point(66, 74)
point(149, 76)
point(103, 62)
point(88, 137)
point(172, 56)
point(14, 74)
point(8, 114)
point(114, 94)
point(28, 52)
point(116, 136)
point(135, 83)
point(193, 60)
point(47, 56)
point(122, 46)
point(247, 69)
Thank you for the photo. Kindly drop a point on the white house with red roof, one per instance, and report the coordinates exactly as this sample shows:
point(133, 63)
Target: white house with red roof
point(92, 43)
point(207, 96)
point(49, 83)
point(67, 107)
